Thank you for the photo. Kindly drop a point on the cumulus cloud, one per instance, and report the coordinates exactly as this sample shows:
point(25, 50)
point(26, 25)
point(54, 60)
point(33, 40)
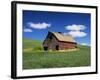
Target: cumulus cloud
point(77, 33)
point(27, 30)
point(65, 33)
point(75, 27)
point(39, 25)
point(84, 44)
point(76, 30)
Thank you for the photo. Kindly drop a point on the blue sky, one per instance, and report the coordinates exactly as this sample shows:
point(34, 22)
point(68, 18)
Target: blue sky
point(36, 25)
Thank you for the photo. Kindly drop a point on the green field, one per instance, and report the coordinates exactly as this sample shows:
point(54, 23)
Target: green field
point(34, 57)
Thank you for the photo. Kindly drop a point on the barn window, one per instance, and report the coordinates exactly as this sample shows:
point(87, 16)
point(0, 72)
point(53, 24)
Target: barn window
point(45, 48)
point(57, 47)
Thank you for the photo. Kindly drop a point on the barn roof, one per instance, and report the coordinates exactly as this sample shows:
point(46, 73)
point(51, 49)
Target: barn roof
point(62, 37)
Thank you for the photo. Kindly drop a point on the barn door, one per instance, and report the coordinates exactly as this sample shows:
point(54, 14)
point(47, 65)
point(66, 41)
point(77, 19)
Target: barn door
point(45, 48)
point(57, 47)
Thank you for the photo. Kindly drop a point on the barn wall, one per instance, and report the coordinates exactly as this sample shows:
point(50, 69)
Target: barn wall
point(51, 44)
point(67, 45)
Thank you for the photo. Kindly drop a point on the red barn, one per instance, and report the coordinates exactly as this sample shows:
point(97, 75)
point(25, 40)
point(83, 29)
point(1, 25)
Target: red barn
point(59, 41)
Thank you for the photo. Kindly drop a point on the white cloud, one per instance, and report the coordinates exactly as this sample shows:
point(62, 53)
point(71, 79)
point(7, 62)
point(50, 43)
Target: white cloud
point(77, 33)
point(65, 33)
point(27, 30)
point(39, 25)
point(75, 30)
point(84, 44)
point(75, 27)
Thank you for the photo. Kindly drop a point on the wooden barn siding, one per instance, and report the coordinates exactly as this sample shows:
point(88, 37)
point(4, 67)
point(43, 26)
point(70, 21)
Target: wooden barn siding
point(51, 44)
point(45, 43)
point(66, 45)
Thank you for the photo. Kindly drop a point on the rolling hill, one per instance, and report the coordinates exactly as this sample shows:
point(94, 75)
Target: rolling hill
point(33, 59)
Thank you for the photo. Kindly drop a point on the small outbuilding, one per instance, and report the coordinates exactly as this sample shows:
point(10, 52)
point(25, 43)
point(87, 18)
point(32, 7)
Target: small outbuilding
point(58, 41)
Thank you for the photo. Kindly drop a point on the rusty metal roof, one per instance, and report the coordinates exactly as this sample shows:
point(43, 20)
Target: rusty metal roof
point(62, 37)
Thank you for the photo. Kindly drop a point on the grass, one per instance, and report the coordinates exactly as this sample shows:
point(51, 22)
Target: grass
point(33, 59)
point(31, 43)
